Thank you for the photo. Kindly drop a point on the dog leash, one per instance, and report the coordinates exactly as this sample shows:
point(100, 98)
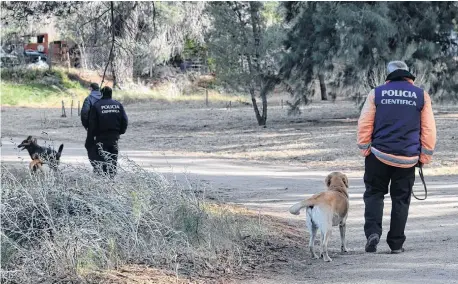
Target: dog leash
point(420, 172)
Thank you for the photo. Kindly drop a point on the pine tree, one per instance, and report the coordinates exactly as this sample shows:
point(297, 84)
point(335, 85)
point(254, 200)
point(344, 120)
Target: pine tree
point(244, 48)
point(349, 43)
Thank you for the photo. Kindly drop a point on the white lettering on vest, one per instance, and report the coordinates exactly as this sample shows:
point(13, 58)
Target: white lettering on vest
point(110, 107)
point(399, 93)
point(110, 111)
point(398, 102)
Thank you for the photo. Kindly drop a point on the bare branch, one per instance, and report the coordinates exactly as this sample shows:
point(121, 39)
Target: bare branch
point(110, 59)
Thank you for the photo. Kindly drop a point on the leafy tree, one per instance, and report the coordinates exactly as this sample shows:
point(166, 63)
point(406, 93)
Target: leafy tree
point(145, 33)
point(20, 12)
point(244, 48)
point(347, 41)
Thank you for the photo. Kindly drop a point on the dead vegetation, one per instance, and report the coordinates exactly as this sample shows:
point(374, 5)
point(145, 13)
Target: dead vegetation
point(323, 137)
point(74, 227)
point(148, 226)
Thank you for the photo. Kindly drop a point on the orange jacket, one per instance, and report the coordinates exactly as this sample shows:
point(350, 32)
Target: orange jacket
point(427, 138)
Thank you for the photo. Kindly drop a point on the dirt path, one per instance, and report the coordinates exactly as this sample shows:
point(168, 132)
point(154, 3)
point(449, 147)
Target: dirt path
point(432, 235)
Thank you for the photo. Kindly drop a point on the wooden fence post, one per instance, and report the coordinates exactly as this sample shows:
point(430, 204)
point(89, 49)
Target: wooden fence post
point(71, 109)
point(79, 110)
point(206, 97)
point(63, 110)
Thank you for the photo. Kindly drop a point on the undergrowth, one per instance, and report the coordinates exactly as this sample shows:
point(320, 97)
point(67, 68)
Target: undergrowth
point(60, 227)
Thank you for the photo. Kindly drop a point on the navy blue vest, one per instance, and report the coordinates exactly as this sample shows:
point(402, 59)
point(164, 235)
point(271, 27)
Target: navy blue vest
point(397, 118)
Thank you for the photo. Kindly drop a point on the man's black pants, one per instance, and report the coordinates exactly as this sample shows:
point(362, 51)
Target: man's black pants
point(377, 177)
point(104, 156)
point(91, 153)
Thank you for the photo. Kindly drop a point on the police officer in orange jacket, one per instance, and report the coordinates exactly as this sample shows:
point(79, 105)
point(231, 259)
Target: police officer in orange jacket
point(396, 132)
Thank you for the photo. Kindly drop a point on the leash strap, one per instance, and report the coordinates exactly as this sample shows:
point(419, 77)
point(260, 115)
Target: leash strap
point(420, 172)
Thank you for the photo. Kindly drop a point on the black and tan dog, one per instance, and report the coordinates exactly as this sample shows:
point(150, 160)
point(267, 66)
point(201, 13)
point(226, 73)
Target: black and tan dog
point(41, 155)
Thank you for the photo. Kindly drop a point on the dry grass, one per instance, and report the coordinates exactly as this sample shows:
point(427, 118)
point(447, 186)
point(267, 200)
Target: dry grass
point(322, 138)
point(134, 274)
point(64, 227)
point(171, 93)
point(145, 219)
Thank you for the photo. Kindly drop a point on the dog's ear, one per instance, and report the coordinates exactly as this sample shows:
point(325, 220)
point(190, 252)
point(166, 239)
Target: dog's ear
point(29, 138)
point(34, 140)
point(327, 180)
point(345, 180)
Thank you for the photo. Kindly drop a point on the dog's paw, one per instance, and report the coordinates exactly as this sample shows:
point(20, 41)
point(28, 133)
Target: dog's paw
point(343, 249)
point(326, 258)
point(314, 256)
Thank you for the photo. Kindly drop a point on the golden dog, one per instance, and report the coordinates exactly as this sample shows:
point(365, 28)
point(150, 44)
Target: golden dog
point(325, 210)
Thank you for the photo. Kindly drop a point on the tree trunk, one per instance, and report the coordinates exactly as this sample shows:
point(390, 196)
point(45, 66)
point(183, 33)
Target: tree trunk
point(123, 60)
point(253, 70)
point(324, 96)
point(259, 118)
point(124, 66)
point(111, 55)
point(82, 50)
point(255, 22)
point(113, 75)
point(264, 110)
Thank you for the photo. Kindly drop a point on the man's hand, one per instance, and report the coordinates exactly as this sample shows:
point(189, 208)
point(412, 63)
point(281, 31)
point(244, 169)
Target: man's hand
point(419, 164)
point(366, 152)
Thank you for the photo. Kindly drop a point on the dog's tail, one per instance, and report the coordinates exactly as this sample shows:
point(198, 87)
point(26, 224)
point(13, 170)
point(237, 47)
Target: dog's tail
point(296, 208)
point(59, 152)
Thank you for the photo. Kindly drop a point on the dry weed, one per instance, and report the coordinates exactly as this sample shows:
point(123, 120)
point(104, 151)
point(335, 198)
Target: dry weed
point(58, 227)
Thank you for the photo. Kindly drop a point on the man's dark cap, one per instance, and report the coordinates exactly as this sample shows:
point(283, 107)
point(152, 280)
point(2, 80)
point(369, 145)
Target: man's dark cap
point(95, 86)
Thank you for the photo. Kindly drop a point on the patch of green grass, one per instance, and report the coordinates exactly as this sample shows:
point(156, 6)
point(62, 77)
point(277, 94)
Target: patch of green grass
point(65, 81)
point(42, 95)
point(56, 76)
point(36, 94)
point(42, 88)
point(45, 88)
point(15, 94)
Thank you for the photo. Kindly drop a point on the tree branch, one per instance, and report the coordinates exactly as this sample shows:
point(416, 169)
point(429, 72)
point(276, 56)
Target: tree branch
point(112, 44)
point(95, 18)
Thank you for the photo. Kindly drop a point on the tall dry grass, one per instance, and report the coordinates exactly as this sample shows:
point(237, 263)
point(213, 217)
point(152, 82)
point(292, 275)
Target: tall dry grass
point(60, 227)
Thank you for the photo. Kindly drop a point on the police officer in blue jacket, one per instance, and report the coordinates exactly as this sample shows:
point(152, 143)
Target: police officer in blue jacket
point(107, 121)
point(90, 100)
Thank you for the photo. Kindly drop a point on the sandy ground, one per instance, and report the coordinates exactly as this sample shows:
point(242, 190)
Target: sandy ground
point(268, 169)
